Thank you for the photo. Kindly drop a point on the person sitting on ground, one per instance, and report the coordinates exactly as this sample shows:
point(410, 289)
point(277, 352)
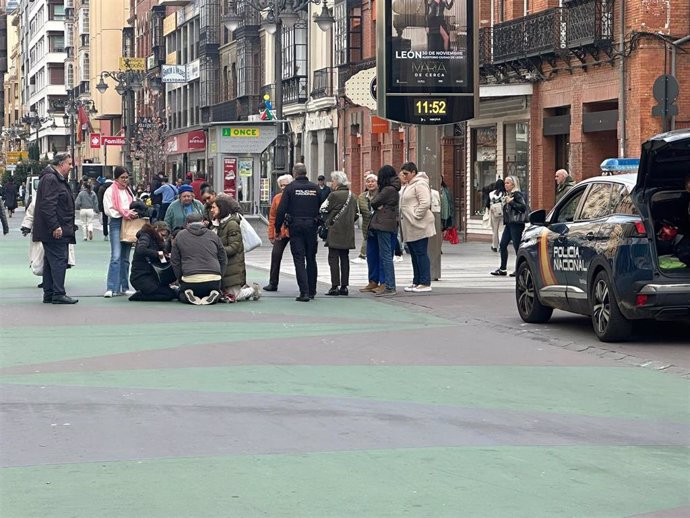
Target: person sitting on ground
point(198, 259)
point(226, 222)
point(182, 207)
point(150, 250)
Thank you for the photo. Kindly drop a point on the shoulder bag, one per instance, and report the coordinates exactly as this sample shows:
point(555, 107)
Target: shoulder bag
point(164, 272)
point(322, 231)
point(250, 239)
point(130, 227)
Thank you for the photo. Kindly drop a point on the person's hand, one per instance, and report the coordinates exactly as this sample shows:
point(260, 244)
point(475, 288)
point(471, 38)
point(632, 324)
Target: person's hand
point(25, 231)
point(57, 233)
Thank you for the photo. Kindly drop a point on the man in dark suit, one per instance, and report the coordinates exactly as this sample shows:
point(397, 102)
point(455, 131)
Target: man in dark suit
point(54, 227)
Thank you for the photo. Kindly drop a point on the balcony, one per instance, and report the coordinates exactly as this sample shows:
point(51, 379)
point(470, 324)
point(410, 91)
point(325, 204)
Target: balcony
point(295, 90)
point(529, 36)
point(589, 22)
point(322, 85)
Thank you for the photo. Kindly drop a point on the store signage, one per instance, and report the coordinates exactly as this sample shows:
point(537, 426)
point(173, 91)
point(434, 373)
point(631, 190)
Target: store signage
point(427, 68)
point(242, 132)
point(196, 140)
point(95, 140)
point(193, 70)
point(16, 156)
point(151, 62)
point(127, 63)
point(359, 88)
point(169, 24)
point(112, 141)
point(173, 74)
point(230, 176)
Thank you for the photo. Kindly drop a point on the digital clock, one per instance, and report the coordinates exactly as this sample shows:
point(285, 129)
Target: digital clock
point(430, 107)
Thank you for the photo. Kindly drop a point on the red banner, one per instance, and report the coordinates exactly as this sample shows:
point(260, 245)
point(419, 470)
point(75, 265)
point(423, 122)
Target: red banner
point(229, 176)
point(112, 140)
point(95, 140)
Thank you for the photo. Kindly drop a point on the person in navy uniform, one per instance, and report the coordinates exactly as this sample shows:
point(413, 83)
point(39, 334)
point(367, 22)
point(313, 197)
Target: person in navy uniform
point(299, 209)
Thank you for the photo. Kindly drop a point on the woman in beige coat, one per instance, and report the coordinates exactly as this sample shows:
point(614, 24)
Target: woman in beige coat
point(417, 222)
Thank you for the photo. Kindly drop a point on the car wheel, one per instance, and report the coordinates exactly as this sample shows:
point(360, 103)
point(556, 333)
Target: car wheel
point(530, 308)
point(609, 324)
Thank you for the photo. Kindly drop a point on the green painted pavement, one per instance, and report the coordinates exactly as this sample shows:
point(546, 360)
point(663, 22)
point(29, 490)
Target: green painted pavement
point(595, 391)
point(434, 482)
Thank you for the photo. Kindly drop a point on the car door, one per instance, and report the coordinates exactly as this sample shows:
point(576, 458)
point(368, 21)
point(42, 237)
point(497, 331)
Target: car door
point(584, 242)
point(552, 245)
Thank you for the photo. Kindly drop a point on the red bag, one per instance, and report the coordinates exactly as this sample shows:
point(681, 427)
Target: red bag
point(451, 235)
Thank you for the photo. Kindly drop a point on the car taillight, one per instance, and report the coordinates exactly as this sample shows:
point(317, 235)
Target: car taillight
point(640, 230)
point(641, 300)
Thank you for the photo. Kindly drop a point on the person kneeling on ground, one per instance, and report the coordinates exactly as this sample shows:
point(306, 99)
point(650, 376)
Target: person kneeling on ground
point(198, 259)
point(150, 250)
point(225, 212)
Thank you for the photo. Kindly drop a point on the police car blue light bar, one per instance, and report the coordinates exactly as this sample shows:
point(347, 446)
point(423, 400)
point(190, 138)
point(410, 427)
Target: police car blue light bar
point(630, 165)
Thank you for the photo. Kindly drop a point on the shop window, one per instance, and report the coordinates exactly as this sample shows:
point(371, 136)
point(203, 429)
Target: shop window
point(484, 147)
point(516, 153)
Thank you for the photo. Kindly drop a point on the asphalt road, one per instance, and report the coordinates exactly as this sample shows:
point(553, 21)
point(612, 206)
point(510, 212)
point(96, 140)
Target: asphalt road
point(438, 405)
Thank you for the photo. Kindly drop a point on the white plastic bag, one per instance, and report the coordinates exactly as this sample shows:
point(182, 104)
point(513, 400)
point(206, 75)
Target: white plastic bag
point(37, 255)
point(486, 219)
point(250, 238)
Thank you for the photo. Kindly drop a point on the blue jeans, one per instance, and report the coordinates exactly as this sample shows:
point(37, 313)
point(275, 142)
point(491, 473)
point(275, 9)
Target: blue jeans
point(374, 267)
point(384, 241)
point(421, 267)
point(118, 270)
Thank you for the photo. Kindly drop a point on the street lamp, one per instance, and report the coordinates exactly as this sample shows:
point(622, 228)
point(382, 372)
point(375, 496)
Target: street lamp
point(129, 82)
point(72, 106)
point(276, 14)
point(35, 121)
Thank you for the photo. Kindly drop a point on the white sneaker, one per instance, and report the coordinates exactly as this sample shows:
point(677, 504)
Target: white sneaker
point(410, 288)
point(359, 260)
point(397, 258)
point(191, 298)
point(108, 294)
point(129, 292)
point(257, 291)
point(212, 298)
point(421, 289)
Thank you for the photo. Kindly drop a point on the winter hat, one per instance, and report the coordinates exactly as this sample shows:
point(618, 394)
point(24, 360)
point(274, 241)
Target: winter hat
point(185, 188)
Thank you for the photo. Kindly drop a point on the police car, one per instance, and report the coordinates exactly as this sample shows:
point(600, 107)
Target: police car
point(615, 247)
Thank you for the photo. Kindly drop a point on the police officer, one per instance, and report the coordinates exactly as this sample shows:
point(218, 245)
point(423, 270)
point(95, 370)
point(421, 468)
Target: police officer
point(299, 208)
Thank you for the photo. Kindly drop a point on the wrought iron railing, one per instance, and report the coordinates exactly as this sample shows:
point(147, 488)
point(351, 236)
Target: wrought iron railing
point(322, 86)
point(508, 39)
point(544, 32)
point(589, 22)
point(485, 46)
point(295, 90)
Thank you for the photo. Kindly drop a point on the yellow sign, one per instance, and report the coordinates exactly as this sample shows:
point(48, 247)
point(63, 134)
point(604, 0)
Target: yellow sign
point(16, 156)
point(242, 132)
point(132, 64)
point(171, 59)
point(169, 24)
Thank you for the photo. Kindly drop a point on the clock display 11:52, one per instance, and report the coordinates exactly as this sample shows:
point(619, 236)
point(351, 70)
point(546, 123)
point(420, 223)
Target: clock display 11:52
point(432, 106)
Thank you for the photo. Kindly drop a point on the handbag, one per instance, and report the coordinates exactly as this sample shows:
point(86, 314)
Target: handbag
point(130, 227)
point(250, 239)
point(486, 219)
point(164, 272)
point(322, 230)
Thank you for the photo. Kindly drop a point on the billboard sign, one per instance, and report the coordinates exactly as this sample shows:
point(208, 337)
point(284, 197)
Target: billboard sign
point(427, 68)
point(173, 73)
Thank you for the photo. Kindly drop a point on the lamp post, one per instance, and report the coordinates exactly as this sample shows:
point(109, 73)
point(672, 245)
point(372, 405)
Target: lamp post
point(129, 82)
point(279, 13)
point(36, 122)
point(71, 110)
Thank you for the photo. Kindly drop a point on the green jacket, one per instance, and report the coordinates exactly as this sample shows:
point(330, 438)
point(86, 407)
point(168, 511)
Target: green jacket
point(364, 204)
point(175, 215)
point(341, 233)
point(230, 235)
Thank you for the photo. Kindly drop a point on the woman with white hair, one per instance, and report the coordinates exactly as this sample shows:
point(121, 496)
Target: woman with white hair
point(278, 240)
point(514, 218)
point(339, 213)
point(371, 187)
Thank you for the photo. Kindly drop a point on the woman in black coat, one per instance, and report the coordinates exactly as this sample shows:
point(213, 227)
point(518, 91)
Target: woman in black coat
point(10, 197)
point(151, 249)
point(515, 212)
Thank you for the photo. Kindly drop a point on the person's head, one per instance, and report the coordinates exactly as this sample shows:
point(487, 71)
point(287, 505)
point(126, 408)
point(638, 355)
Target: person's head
point(370, 181)
point(561, 176)
point(193, 219)
point(408, 171)
point(284, 180)
point(322, 180)
point(687, 183)
point(201, 176)
point(164, 179)
point(386, 174)
point(62, 162)
point(208, 196)
point(339, 178)
point(222, 207)
point(121, 176)
point(299, 170)
point(186, 194)
point(512, 184)
point(500, 185)
point(162, 229)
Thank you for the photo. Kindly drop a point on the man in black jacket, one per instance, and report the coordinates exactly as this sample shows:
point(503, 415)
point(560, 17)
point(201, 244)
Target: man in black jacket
point(299, 208)
point(54, 226)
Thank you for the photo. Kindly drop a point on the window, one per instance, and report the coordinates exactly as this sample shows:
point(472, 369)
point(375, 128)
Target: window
point(57, 12)
point(484, 144)
point(340, 33)
point(567, 212)
point(56, 74)
point(56, 43)
point(622, 202)
point(295, 51)
point(84, 73)
point(597, 203)
point(354, 36)
point(516, 153)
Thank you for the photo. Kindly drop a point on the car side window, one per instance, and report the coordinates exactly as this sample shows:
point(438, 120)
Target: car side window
point(566, 212)
point(597, 203)
point(621, 202)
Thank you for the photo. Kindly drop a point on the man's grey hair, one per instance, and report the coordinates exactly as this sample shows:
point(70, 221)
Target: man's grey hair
point(60, 158)
point(285, 178)
point(299, 170)
point(194, 217)
point(340, 178)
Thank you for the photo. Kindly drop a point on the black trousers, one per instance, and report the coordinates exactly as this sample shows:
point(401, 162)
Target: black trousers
point(339, 262)
point(276, 257)
point(511, 232)
point(54, 267)
point(104, 218)
point(149, 289)
point(200, 289)
point(162, 211)
point(303, 245)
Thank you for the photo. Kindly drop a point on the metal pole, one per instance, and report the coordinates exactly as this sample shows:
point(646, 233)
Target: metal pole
point(278, 68)
point(73, 175)
point(623, 98)
point(673, 67)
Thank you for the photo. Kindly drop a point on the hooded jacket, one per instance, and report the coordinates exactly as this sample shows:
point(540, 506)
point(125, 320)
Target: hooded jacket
point(197, 250)
point(386, 205)
point(416, 218)
point(54, 207)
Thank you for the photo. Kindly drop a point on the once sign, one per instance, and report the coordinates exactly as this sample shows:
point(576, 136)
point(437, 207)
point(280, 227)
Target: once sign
point(242, 132)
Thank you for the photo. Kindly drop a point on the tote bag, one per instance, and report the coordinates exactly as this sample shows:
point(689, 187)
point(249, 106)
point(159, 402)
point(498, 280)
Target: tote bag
point(130, 227)
point(250, 239)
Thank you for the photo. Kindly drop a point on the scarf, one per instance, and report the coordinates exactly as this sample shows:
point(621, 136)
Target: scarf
point(117, 201)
